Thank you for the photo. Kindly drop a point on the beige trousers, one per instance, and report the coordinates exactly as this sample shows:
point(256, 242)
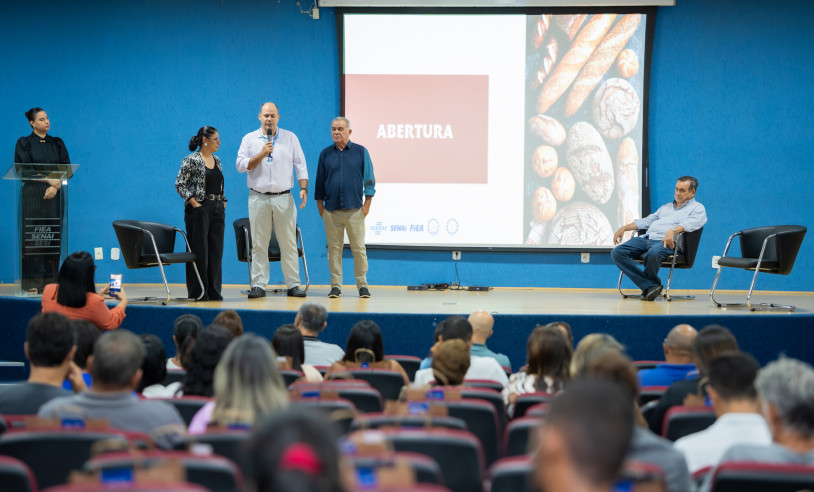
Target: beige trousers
point(336, 223)
point(277, 213)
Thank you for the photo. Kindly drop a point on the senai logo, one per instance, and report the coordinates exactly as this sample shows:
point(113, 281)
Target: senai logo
point(378, 228)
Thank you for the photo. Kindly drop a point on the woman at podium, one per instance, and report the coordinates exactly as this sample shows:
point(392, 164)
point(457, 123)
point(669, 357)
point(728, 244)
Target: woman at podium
point(42, 205)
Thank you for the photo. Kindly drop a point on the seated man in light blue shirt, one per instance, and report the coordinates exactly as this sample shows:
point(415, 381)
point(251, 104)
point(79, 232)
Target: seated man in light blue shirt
point(482, 323)
point(684, 214)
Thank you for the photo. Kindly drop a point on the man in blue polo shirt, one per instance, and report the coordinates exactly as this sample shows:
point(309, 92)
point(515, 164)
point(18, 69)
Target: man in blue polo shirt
point(684, 214)
point(678, 359)
point(344, 176)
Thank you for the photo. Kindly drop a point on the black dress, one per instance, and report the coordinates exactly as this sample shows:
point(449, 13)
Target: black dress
point(41, 219)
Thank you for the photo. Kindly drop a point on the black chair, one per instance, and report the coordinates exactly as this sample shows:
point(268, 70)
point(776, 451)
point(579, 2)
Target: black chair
point(174, 376)
point(16, 476)
point(425, 468)
point(389, 383)
point(227, 443)
point(150, 244)
point(338, 410)
point(682, 421)
point(763, 249)
point(410, 363)
point(518, 434)
point(380, 420)
point(512, 474)
point(739, 476)
point(290, 376)
point(685, 258)
point(528, 400)
point(365, 399)
point(243, 244)
point(187, 406)
point(650, 393)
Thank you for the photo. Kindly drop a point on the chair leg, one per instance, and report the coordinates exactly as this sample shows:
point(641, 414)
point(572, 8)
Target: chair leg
point(666, 294)
point(304, 263)
point(248, 259)
point(763, 305)
point(619, 288)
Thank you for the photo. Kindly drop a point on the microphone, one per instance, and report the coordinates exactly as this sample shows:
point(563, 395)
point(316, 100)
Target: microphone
point(268, 138)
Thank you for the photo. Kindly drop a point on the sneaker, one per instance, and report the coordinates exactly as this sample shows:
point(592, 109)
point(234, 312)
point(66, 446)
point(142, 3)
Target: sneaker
point(653, 292)
point(335, 292)
point(296, 292)
point(257, 292)
point(364, 293)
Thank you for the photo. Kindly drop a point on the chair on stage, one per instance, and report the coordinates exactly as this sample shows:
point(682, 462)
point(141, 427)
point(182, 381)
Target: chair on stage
point(683, 259)
point(770, 249)
point(243, 243)
point(150, 244)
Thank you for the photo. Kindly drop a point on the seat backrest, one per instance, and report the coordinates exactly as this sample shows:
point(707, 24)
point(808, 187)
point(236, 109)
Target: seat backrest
point(738, 476)
point(389, 383)
point(226, 443)
point(481, 420)
point(650, 393)
point(691, 241)
point(187, 406)
point(290, 376)
point(517, 436)
point(680, 421)
point(134, 243)
point(488, 395)
point(484, 383)
point(380, 420)
point(425, 468)
point(527, 400)
point(243, 231)
point(410, 363)
point(512, 474)
point(16, 476)
point(783, 248)
point(174, 376)
point(338, 410)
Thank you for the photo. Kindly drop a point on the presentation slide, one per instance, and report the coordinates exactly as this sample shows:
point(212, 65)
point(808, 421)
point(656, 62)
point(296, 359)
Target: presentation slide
point(498, 130)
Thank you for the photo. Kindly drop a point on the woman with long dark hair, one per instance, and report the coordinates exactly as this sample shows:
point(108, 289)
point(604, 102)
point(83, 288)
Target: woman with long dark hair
point(200, 184)
point(289, 345)
point(365, 349)
point(42, 204)
point(75, 296)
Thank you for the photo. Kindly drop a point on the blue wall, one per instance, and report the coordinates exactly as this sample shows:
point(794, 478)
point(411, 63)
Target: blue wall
point(127, 83)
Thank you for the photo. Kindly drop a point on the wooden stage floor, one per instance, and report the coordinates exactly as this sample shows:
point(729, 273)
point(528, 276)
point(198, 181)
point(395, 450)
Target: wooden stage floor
point(500, 300)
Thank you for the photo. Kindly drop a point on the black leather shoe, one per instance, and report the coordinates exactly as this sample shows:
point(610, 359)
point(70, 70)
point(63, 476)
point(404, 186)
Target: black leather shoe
point(257, 292)
point(335, 292)
point(364, 293)
point(296, 292)
point(652, 293)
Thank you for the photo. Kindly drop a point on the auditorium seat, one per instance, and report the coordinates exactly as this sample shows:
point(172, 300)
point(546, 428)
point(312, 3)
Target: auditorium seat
point(481, 393)
point(380, 420)
point(290, 376)
point(518, 434)
point(527, 400)
point(16, 476)
point(425, 468)
point(738, 476)
point(481, 420)
point(538, 410)
point(141, 487)
point(187, 406)
point(680, 421)
point(389, 383)
point(484, 383)
point(365, 399)
point(650, 393)
point(512, 474)
point(337, 410)
point(410, 363)
point(647, 364)
point(174, 376)
point(226, 443)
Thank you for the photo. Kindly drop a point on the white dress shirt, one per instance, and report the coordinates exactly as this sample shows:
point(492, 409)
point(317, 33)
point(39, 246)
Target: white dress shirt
point(277, 175)
point(707, 447)
point(479, 368)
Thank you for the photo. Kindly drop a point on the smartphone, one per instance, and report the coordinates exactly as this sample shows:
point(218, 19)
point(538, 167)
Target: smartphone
point(117, 476)
point(115, 284)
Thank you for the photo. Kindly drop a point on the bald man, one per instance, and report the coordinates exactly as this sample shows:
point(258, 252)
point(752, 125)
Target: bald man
point(482, 324)
point(269, 156)
point(677, 356)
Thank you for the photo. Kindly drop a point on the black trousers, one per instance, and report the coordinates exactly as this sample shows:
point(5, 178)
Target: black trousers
point(41, 235)
point(205, 225)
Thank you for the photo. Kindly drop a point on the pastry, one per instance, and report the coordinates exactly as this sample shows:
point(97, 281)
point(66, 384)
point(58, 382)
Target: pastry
point(566, 71)
point(628, 63)
point(547, 60)
point(590, 161)
point(548, 129)
point(570, 24)
point(616, 108)
point(627, 181)
point(563, 184)
point(579, 224)
point(540, 30)
point(544, 161)
point(600, 61)
point(543, 205)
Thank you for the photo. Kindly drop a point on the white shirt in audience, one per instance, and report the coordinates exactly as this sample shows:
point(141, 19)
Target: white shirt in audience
point(172, 366)
point(705, 448)
point(479, 368)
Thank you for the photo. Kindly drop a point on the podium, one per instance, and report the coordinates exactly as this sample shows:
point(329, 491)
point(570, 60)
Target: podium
point(42, 224)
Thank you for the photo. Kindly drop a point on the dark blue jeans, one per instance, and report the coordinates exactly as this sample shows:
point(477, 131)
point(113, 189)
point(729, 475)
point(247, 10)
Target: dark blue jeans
point(650, 251)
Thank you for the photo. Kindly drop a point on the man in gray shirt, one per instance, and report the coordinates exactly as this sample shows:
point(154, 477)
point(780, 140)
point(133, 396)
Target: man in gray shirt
point(116, 371)
point(311, 320)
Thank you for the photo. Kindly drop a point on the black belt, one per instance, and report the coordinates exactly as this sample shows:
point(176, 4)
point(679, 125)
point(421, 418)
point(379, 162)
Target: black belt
point(272, 193)
point(221, 198)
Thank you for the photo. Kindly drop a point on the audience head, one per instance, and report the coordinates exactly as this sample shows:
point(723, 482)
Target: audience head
point(678, 344)
point(288, 342)
point(711, 341)
point(154, 368)
point(197, 140)
point(311, 319)
point(786, 389)
point(75, 279)
point(456, 327)
point(482, 324)
point(205, 352)
point(548, 354)
point(731, 378)
point(49, 340)
point(614, 366)
point(565, 328)
point(117, 359)
point(295, 450)
point(85, 335)
point(585, 437)
point(450, 362)
point(247, 382)
point(184, 331)
point(364, 343)
point(591, 344)
point(230, 320)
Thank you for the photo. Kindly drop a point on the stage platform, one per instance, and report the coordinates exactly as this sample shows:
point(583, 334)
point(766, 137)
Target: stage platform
point(408, 318)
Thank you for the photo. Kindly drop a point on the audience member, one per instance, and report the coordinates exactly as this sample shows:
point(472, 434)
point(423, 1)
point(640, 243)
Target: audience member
point(75, 296)
point(450, 363)
point(311, 319)
point(548, 362)
point(482, 328)
point(49, 348)
point(710, 342)
point(154, 370)
point(205, 352)
point(732, 392)
point(458, 327)
point(296, 450)
point(230, 320)
point(366, 349)
point(426, 362)
point(646, 447)
point(247, 386)
point(116, 370)
point(85, 335)
point(677, 356)
point(584, 439)
point(565, 328)
point(592, 343)
point(290, 349)
point(184, 331)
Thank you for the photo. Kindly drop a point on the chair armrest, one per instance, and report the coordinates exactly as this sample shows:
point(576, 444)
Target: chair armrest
point(729, 242)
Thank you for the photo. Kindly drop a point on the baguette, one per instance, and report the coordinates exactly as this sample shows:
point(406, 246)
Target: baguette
point(568, 68)
point(541, 29)
point(546, 64)
point(570, 24)
point(600, 61)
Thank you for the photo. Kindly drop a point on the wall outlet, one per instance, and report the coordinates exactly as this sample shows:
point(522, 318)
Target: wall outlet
point(98, 253)
point(456, 255)
point(315, 13)
point(114, 254)
point(715, 261)
point(585, 257)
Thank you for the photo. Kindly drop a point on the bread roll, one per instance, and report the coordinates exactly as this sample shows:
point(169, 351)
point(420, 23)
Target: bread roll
point(547, 60)
point(543, 205)
point(627, 181)
point(579, 224)
point(570, 24)
point(540, 30)
point(544, 161)
point(566, 71)
point(616, 108)
point(548, 129)
point(590, 161)
point(628, 63)
point(600, 61)
point(562, 184)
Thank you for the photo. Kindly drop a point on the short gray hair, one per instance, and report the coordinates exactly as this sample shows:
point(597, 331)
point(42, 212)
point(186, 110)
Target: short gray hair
point(117, 355)
point(312, 316)
point(788, 384)
point(347, 121)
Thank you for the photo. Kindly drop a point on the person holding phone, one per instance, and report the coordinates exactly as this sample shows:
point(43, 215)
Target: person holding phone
point(74, 294)
point(200, 184)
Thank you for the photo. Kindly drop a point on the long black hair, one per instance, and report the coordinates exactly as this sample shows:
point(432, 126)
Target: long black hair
point(196, 141)
point(365, 337)
point(288, 342)
point(75, 279)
